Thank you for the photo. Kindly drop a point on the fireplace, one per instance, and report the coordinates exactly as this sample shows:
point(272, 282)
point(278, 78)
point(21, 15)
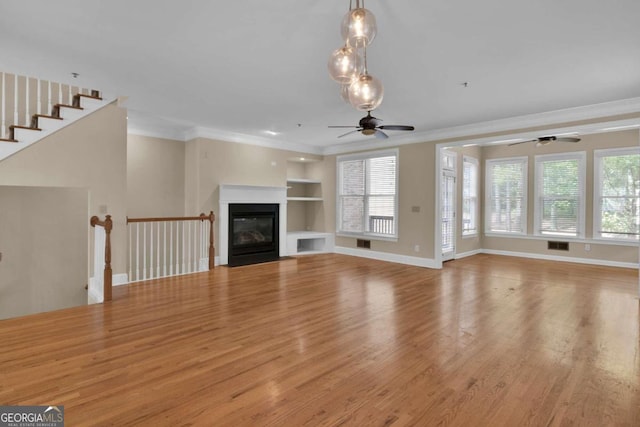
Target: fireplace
point(233, 194)
point(253, 233)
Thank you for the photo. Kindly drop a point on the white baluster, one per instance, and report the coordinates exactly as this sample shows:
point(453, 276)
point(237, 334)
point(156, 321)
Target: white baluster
point(144, 251)
point(171, 248)
point(49, 104)
point(195, 247)
point(16, 120)
point(158, 251)
point(189, 247)
point(137, 251)
point(70, 95)
point(60, 93)
point(164, 263)
point(151, 251)
point(130, 230)
point(3, 106)
point(26, 102)
point(184, 242)
point(39, 97)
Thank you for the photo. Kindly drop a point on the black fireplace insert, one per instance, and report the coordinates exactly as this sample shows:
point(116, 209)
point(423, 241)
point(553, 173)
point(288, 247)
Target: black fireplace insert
point(253, 233)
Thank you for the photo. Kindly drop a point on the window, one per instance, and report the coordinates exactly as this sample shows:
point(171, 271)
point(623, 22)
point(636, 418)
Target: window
point(617, 194)
point(367, 194)
point(469, 196)
point(506, 196)
point(559, 195)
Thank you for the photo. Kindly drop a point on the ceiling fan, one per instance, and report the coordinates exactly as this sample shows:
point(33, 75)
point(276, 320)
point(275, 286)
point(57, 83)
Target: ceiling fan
point(544, 140)
point(368, 125)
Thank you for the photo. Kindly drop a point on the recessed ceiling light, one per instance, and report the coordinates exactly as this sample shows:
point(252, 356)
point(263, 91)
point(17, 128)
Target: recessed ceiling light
point(470, 145)
point(272, 133)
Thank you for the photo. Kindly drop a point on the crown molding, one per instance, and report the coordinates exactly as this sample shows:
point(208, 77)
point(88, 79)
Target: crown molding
point(588, 112)
point(240, 138)
point(179, 132)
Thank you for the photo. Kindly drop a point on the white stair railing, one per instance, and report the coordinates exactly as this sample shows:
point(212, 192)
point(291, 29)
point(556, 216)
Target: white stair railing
point(163, 247)
point(21, 97)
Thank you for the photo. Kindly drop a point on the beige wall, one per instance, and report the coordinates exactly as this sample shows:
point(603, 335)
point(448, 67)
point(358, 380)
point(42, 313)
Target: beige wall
point(416, 187)
point(155, 177)
point(209, 163)
point(91, 154)
point(43, 240)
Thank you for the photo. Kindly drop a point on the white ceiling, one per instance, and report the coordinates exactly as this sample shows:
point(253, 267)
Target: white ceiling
point(237, 69)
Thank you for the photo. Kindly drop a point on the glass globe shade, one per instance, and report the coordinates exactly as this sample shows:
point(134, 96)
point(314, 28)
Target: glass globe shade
point(344, 64)
point(366, 93)
point(359, 27)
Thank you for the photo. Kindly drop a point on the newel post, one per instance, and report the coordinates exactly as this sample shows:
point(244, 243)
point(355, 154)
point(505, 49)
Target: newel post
point(108, 274)
point(212, 251)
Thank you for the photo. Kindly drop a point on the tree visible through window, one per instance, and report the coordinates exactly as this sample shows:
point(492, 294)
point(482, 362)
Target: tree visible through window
point(367, 202)
point(617, 196)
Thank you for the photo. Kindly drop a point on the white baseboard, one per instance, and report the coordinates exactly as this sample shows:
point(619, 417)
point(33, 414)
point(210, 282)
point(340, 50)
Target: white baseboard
point(119, 279)
point(93, 297)
point(466, 254)
point(563, 258)
point(385, 256)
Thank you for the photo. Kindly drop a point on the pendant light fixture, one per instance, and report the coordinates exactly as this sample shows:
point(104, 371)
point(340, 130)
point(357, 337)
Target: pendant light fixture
point(359, 26)
point(345, 64)
point(348, 65)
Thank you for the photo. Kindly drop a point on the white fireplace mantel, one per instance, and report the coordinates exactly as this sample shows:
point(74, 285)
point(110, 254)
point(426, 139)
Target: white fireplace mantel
point(232, 193)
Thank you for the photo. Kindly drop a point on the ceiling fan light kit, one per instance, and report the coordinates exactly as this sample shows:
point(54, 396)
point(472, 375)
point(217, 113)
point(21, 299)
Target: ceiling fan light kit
point(545, 140)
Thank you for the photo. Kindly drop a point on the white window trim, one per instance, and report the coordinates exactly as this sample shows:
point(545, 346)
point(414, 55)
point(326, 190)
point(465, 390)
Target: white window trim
point(364, 156)
point(581, 157)
point(474, 161)
point(597, 214)
point(487, 195)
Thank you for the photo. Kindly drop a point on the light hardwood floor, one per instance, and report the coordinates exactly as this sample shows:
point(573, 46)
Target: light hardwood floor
point(338, 340)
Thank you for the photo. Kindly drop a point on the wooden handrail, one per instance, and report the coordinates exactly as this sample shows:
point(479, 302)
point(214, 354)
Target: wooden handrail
point(108, 274)
point(211, 218)
point(202, 217)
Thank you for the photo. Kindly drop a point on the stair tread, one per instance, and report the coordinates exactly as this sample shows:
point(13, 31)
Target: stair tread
point(45, 116)
point(8, 140)
point(23, 127)
point(89, 96)
point(68, 106)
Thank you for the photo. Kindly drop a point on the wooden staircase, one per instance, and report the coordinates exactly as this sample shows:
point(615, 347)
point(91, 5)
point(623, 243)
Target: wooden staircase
point(32, 109)
point(55, 115)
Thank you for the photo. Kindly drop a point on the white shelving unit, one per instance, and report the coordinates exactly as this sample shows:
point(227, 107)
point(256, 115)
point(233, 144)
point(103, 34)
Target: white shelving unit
point(305, 197)
point(303, 181)
point(306, 182)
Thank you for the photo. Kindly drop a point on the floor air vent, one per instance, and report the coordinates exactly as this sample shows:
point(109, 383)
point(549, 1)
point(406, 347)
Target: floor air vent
point(558, 246)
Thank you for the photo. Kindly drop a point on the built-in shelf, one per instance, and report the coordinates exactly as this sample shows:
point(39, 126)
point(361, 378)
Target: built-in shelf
point(303, 181)
point(305, 199)
point(309, 242)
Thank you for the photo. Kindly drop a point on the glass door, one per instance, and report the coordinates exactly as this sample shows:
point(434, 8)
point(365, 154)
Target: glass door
point(448, 204)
